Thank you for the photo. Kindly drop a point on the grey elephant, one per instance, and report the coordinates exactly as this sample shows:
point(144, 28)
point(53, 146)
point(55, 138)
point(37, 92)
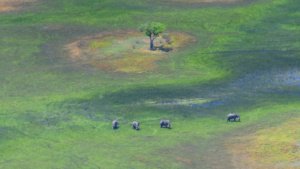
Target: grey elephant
point(115, 124)
point(165, 124)
point(233, 117)
point(135, 125)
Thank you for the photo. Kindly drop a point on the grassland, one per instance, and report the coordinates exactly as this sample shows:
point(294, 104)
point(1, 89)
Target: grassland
point(56, 113)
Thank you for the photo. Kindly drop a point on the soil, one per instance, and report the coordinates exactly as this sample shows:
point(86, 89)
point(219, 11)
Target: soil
point(13, 5)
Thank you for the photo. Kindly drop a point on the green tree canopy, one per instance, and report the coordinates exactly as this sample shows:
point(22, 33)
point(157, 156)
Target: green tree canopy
point(152, 30)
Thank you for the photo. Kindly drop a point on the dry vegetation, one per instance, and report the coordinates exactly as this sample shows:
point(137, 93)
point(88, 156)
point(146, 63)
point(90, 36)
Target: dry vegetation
point(207, 1)
point(13, 5)
point(125, 51)
point(273, 148)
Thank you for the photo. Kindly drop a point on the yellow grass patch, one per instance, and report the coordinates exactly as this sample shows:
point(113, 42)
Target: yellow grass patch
point(272, 148)
point(128, 64)
point(125, 51)
point(184, 160)
point(206, 1)
point(12, 5)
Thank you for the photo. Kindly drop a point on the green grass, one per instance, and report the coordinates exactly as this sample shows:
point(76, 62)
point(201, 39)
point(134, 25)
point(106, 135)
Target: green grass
point(57, 114)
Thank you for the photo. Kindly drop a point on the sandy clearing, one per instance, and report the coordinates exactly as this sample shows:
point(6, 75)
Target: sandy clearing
point(124, 51)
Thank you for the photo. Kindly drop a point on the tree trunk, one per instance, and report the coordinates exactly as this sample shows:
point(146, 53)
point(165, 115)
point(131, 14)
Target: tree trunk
point(152, 42)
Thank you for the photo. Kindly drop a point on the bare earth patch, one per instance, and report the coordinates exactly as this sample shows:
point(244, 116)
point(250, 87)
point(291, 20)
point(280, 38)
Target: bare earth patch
point(13, 5)
point(125, 51)
point(272, 148)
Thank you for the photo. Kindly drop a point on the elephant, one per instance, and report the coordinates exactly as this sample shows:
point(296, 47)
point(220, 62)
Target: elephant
point(233, 116)
point(135, 125)
point(115, 124)
point(165, 124)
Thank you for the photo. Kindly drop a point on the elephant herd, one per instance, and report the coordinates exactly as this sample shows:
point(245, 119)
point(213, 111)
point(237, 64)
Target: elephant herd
point(231, 117)
point(136, 125)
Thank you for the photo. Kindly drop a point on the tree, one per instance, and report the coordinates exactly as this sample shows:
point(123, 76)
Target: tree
point(152, 30)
